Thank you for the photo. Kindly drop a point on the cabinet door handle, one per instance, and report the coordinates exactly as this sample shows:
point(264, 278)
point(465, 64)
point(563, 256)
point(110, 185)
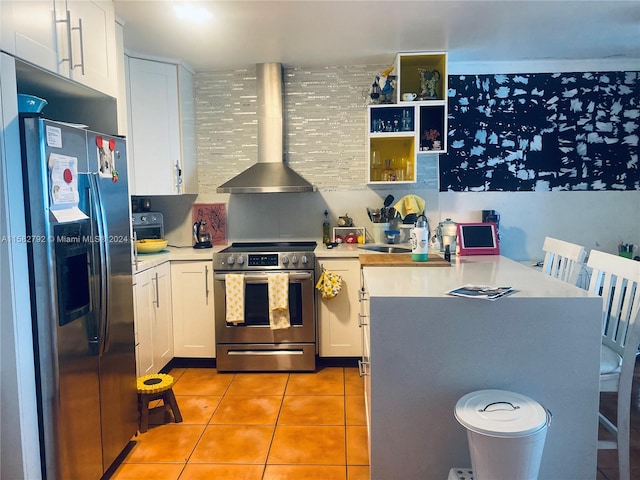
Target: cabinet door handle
point(157, 292)
point(362, 368)
point(361, 320)
point(364, 296)
point(135, 249)
point(206, 284)
point(179, 176)
point(67, 20)
point(81, 64)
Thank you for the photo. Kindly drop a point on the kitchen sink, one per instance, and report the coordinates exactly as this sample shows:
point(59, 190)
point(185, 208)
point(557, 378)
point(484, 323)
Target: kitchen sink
point(386, 249)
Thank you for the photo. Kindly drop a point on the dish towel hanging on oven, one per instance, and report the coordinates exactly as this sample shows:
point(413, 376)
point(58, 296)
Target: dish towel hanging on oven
point(279, 301)
point(234, 292)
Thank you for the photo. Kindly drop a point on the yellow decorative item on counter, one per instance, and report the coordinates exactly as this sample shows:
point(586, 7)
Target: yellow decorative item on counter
point(151, 245)
point(329, 284)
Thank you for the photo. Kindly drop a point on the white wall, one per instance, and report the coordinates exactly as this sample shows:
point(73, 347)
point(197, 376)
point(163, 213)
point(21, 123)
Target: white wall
point(597, 220)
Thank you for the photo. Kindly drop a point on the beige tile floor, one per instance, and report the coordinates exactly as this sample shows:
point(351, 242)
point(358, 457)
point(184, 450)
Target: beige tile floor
point(257, 426)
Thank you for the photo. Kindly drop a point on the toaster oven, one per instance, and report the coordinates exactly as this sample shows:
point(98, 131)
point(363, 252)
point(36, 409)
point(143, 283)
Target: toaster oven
point(148, 225)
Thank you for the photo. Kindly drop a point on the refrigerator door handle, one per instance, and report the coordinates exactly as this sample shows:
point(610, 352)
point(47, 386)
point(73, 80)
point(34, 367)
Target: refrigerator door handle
point(105, 265)
point(95, 269)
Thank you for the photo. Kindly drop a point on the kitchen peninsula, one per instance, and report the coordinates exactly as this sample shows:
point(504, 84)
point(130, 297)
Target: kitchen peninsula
point(428, 349)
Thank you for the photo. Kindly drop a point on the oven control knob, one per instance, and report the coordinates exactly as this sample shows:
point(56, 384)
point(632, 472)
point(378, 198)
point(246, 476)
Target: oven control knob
point(294, 259)
point(304, 259)
point(285, 260)
point(230, 261)
point(240, 260)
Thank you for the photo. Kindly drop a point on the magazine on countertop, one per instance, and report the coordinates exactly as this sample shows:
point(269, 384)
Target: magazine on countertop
point(486, 292)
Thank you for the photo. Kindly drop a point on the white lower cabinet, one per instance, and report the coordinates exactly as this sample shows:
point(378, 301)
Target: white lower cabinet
point(153, 318)
point(339, 334)
point(193, 322)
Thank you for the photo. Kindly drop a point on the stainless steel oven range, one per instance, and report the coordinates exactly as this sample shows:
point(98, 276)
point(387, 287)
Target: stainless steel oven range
point(252, 345)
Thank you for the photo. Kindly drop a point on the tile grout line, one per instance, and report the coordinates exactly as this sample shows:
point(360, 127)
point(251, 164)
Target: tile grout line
point(206, 425)
point(273, 434)
point(346, 443)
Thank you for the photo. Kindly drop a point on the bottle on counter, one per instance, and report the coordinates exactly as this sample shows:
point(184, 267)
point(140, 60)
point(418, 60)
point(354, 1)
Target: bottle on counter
point(326, 227)
point(420, 240)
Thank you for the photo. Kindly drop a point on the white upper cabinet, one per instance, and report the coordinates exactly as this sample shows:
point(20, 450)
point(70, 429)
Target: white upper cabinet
point(74, 38)
point(161, 128)
point(28, 31)
point(90, 25)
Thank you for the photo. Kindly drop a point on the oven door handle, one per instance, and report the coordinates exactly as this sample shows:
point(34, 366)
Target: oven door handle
point(262, 278)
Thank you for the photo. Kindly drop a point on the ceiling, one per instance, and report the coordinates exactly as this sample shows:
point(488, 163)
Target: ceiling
point(320, 32)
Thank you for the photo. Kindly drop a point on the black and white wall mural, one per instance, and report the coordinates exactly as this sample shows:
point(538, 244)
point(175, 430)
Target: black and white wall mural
point(542, 132)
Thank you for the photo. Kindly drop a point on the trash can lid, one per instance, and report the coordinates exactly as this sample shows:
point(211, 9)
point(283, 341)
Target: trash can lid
point(500, 413)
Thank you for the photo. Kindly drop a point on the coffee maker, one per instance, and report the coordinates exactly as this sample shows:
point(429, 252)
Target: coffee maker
point(201, 238)
point(446, 233)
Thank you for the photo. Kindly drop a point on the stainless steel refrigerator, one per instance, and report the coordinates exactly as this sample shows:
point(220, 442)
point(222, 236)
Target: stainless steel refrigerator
point(77, 204)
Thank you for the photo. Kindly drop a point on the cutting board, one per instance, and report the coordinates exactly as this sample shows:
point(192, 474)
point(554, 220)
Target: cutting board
point(399, 260)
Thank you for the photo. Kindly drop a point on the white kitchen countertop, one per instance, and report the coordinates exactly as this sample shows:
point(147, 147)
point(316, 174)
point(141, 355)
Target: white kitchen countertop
point(493, 270)
point(149, 260)
point(346, 250)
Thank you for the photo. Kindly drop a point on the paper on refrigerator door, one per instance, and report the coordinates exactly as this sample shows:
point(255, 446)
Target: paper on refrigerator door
point(66, 215)
point(64, 179)
point(63, 188)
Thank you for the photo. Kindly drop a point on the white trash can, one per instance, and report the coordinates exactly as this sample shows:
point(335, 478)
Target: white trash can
point(506, 433)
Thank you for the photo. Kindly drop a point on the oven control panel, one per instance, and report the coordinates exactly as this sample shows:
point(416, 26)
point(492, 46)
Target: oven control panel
point(262, 261)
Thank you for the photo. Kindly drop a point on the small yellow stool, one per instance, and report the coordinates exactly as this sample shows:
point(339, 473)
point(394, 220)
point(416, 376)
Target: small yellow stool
point(156, 387)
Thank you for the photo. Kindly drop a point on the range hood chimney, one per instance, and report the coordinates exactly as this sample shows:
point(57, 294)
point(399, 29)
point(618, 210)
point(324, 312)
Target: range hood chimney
point(270, 174)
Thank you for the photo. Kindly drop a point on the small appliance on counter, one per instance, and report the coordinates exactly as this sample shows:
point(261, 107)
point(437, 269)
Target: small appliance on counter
point(148, 225)
point(201, 238)
point(446, 234)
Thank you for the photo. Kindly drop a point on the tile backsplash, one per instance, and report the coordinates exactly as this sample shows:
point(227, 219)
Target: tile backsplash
point(324, 122)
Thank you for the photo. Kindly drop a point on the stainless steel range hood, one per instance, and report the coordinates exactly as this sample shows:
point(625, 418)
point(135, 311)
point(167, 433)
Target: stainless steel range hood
point(270, 174)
